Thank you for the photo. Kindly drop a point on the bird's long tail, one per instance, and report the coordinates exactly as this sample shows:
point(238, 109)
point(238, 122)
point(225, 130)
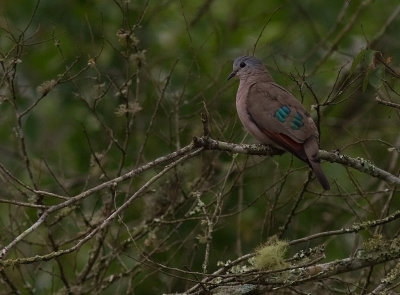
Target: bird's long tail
point(316, 167)
point(311, 150)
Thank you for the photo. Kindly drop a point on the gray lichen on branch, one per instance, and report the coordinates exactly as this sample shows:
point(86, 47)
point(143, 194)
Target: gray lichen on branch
point(358, 163)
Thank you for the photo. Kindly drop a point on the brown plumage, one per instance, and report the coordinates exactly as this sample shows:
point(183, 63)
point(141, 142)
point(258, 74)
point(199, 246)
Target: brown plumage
point(274, 116)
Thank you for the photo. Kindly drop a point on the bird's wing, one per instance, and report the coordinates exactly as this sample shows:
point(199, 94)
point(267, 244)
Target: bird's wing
point(280, 116)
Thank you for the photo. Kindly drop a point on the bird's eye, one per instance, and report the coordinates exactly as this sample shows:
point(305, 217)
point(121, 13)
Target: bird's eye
point(242, 64)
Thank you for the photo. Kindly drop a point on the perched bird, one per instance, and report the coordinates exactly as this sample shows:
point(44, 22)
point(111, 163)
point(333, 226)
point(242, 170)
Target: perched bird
point(274, 116)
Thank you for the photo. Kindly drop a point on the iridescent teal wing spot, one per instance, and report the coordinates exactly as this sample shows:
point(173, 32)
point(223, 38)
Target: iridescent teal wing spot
point(297, 122)
point(282, 113)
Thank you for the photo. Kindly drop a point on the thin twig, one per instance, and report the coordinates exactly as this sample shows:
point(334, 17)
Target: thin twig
point(387, 103)
point(263, 28)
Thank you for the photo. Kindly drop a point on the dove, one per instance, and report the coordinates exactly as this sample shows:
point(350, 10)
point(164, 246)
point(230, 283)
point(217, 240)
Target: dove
point(274, 116)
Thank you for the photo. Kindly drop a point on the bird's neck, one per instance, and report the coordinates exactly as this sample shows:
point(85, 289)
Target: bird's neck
point(258, 76)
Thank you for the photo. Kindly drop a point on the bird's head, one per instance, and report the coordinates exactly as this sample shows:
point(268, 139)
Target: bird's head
point(246, 65)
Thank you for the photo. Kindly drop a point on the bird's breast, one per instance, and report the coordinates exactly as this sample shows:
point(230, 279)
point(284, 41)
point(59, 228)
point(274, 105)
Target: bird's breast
point(246, 117)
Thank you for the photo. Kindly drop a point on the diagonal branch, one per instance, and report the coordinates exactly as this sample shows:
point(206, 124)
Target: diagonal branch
point(358, 163)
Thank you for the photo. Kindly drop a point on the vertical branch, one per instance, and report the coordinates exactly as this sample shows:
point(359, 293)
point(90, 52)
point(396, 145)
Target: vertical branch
point(213, 220)
point(155, 111)
point(239, 217)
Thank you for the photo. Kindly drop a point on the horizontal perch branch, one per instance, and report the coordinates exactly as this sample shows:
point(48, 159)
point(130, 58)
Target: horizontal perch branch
point(358, 163)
